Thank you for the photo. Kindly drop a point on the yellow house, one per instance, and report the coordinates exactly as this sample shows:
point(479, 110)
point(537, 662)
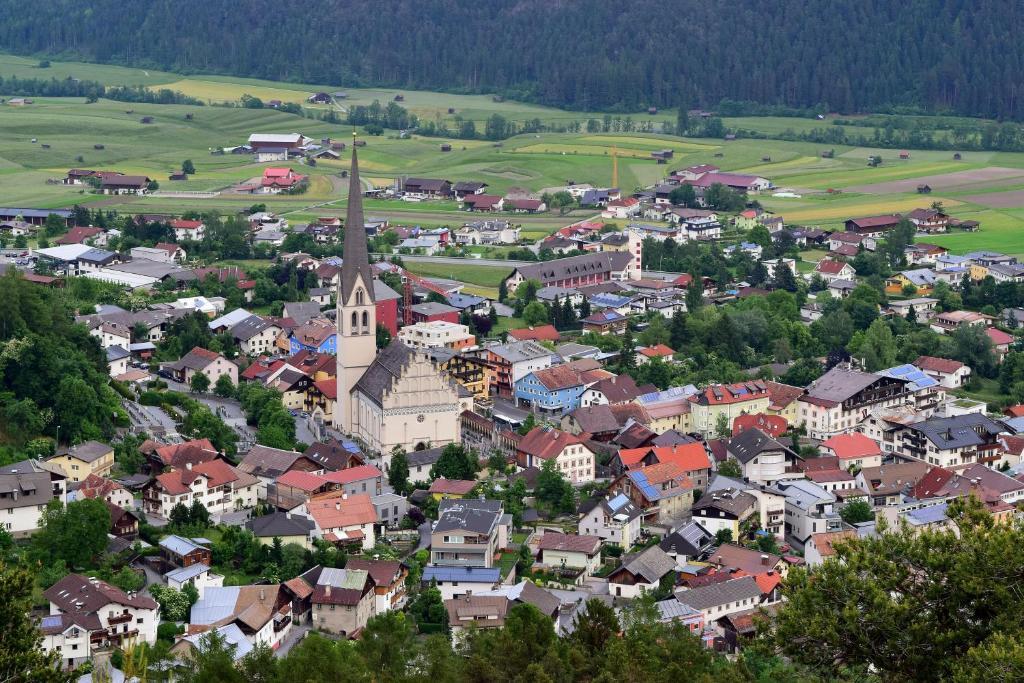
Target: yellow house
point(747, 220)
point(978, 272)
point(289, 528)
point(784, 401)
point(78, 462)
point(730, 400)
point(441, 489)
point(672, 413)
point(468, 371)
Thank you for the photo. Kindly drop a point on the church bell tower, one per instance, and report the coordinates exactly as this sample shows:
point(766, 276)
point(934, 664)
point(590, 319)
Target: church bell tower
point(357, 313)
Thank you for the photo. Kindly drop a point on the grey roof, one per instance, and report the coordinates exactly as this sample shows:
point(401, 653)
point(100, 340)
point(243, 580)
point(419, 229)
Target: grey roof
point(717, 594)
point(690, 540)
point(182, 574)
point(232, 635)
point(957, 432)
point(651, 564)
point(750, 443)
point(425, 457)
point(356, 265)
point(32, 489)
point(87, 451)
point(116, 352)
point(804, 494)
point(839, 384)
point(231, 319)
point(673, 609)
point(217, 603)
point(478, 516)
point(264, 461)
point(381, 292)
point(386, 368)
point(280, 524)
point(518, 351)
point(433, 308)
point(734, 501)
point(155, 269)
point(97, 256)
point(461, 301)
point(302, 311)
point(250, 327)
point(576, 266)
point(178, 545)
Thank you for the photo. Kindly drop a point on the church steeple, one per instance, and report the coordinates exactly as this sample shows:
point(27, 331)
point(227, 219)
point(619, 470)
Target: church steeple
point(356, 261)
point(357, 313)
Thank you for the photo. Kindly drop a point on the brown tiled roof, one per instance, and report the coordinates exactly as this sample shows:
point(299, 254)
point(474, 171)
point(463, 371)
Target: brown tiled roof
point(572, 543)
point(546, 443)
point(934, 364)
point(383, 572)
point(738, 557)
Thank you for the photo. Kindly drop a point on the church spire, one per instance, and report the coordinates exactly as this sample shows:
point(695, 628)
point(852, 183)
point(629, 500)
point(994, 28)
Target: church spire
point(356, 261)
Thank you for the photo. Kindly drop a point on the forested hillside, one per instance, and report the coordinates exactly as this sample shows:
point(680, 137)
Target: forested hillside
point(848, 55)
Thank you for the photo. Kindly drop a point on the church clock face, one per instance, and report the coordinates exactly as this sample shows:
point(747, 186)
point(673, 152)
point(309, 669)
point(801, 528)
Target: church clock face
point(421, 418)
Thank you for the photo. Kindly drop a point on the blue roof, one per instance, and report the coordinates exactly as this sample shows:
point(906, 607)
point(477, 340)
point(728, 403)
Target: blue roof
point(639, 478)
point(618, 501)
point(917, 378)
point(471, 574)
point(34, 213)
point(465, 300)
point(51, 621)
point(611, 300)
point(928, 515)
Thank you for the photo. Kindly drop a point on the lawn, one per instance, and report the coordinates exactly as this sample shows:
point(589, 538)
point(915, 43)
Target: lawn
point(804, 212)
point(483, 276)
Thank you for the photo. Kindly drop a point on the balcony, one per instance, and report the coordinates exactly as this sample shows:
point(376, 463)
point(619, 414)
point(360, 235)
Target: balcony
point(119, 619)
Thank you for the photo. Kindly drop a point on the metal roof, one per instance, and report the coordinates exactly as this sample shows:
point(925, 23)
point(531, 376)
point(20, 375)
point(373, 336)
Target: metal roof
point(217, 603)
point(183, 574)
point(471, 574)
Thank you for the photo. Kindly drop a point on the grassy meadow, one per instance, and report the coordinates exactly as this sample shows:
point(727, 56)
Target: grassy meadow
point(73, 130)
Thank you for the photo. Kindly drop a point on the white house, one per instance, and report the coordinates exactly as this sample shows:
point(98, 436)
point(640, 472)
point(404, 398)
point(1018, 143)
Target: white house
point(615, 520)
point(215, 484)
point(570, 551)
point(88, 615)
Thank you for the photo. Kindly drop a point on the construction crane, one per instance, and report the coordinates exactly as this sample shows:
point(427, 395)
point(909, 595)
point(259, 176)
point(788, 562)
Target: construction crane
point(408, 279)
point(615, 166)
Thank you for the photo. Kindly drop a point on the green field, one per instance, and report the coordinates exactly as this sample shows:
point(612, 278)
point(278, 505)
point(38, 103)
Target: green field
point(73, 129)
point(482, 276)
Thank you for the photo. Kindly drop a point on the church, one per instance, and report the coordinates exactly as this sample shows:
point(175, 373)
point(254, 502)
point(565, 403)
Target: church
point(392, 398)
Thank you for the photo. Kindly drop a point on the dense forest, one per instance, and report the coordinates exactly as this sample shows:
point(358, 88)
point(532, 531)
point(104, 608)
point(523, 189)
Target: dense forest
point(847, 55)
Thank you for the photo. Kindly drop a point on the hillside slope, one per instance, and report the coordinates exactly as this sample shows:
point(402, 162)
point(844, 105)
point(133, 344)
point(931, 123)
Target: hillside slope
point(847, 55)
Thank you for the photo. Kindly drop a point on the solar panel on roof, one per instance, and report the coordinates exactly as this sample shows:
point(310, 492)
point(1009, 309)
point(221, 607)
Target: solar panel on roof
point(51, 621)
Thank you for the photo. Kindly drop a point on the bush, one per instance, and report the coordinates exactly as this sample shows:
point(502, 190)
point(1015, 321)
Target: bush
point(167, 631)
point(122, 389)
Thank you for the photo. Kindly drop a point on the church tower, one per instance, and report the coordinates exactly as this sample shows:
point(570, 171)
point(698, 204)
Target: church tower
point(357, 313)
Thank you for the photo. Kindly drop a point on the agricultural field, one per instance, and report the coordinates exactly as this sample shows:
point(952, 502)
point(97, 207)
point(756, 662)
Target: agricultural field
point(985, 186)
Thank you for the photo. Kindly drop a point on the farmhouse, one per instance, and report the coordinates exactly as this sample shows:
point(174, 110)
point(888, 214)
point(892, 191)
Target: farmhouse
point(873, 226)
point(589, 269)
point(124, 184)
point(929, 220)
point(426, 188)
point(275, 146)
point(276, 180)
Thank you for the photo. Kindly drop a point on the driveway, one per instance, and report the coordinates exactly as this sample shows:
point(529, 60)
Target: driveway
point(295, 636)
point(233, 518)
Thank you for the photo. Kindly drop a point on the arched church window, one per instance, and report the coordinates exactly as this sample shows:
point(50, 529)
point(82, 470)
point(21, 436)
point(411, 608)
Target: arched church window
point(359, 297)
point(366, 322)
point(355, 322)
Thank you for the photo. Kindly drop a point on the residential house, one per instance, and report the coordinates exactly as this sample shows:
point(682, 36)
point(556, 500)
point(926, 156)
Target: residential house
point(640, 572)
point(873, 226)
point(426, 188)
point(476, 612)
point(421, 462)
point(605, 322)
point(469, 533)
point(483, 202)
point(200, 360)
point(576, 271)
point(255, 335)
point(343, 600)
point(613, 519)
point(216, 485)
point(819, 547)
point(663, 491)
point(450, 489)
point(87, 616)
point(617, 389)
point(342, 519)
point(725, 510)
point(101, 488)
point(953, 443)
point(842, 398)
point(572, 457)
point(188, 230)
point(717, 600)
point(810, 509)
point(26, 488)
point(762, 459)
point(570, 552)
point(889, 485)
point(283, 525)
point(558, 390)
point(84, 459)
point(261, 612)
point(388, 582)
point(929, 220)
point(506, 364)
point(456, 582)
point(437, 334)
point(318, 334)
point(853, 449)
point(688, 542)
point(830, 270)
point(731, 401)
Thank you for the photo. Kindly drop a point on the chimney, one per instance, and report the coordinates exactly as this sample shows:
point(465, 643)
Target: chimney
point(287, 515)
point(327, 590)
point(344, 496)
point(764, 560)
point(188, 466)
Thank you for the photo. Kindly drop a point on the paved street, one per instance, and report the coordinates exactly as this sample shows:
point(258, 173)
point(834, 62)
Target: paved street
point(295, 636)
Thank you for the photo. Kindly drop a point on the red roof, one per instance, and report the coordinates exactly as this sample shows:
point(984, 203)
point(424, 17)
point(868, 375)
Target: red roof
point(690, 456)
point(1015, 411)
point(998, 337)
point(276, 172)
point(539, 333)
point(632, 456)
point(772, 425)
point(328, 387)
point(570, 543)
point(96, 486)
point(77, 235)
point(683, 280)
point(768, 581)
point(546, 443)
point(169, 455)
point(301, 480)
point(829, 266)
point(181, 224)
point(721, 394)
point(481, 199)
point(353, 474)
point(169, 247)
point(657, 351)
point(852, 445)
point(875, 221)
point(452, 487)
point(944, 365)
